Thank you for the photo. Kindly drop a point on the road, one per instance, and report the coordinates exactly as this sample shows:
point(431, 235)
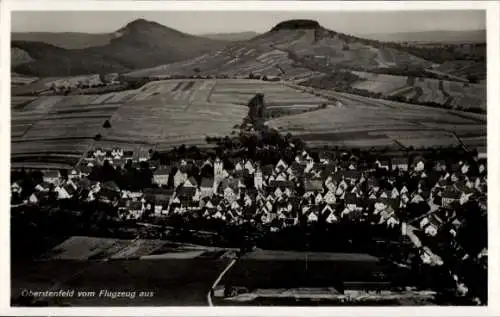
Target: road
point(217, 281)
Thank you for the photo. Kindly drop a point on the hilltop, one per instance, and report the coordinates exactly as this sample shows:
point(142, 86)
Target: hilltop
point(139, 44)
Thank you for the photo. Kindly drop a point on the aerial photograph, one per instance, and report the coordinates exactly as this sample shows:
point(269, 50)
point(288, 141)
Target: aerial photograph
point(248, 158)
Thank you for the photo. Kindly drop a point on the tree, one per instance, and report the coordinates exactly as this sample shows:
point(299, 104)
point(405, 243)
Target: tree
point(97, 137)
point(106, 124)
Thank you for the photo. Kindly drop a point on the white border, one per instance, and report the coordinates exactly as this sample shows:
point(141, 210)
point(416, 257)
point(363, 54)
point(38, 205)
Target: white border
point(493, 35)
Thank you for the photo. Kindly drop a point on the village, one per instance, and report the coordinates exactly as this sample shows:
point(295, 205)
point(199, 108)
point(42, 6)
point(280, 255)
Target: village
point(272, 184)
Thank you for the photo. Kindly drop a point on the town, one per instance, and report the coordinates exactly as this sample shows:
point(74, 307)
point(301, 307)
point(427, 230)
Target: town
point(434, 200)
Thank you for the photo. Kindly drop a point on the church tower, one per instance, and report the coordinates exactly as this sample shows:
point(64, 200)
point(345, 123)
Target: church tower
point(257, 179)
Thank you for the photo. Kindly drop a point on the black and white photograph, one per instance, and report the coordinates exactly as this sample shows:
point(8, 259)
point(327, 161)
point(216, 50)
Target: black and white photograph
point(248, 158)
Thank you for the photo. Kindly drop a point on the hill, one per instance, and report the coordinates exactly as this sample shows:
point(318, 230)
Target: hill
point(42, 60)
point(238, 36)
point(466, 36)
point(139, 44)
point(282, 50)
point(67, 40)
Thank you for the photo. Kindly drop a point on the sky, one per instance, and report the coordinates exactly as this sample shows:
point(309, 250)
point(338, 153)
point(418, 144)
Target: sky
point(203, 22)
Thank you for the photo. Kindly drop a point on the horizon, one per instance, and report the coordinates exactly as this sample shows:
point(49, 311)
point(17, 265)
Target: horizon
point(376, 22)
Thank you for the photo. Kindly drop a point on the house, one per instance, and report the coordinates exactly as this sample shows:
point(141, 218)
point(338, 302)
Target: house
point(186, 194)
point(99, 153)
point(37, 198)
point(418, 164)
point(207, 187)
point(351, 176)
point(111, 185)
point(313, 185)
point(161, 176)
point(258, 179)
point(65, 192)
point(158, 195)
point(431, 229)
point(52, 177)
point(142, 155)
point(449, 196)
point(382, 163)
point(107, 195)
point(117, 153)
point(312, 215)
point(330, 198)
point(353, 202)
point(191, 182)
point(399, 163)
point(229, 189)
point(16, 188)
point(135, 210)
point(329, 213)
point(180, 177)
point(75, 173)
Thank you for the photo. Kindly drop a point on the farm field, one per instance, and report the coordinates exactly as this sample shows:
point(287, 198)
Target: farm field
point(275, 269)
point(54, 129)
point(462, 95)
point(366, 122)
point(275, 94)
point(161, 114)
point(82, 248)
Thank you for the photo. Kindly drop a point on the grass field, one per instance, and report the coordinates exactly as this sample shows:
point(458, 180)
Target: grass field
point(367, 122)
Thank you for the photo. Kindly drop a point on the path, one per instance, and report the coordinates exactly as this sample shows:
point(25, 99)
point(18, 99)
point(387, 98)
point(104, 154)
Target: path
point(217, 281)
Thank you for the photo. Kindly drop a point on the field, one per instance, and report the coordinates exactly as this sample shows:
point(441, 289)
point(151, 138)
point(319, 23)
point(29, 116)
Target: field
point(293, 269)
point(424, 89)
point(366, 122)
point(275, 94)
point(54, 129)
point(58, 130)
point(159, 115)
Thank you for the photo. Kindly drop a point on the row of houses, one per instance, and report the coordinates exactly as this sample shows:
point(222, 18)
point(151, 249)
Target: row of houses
point(328, 189)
